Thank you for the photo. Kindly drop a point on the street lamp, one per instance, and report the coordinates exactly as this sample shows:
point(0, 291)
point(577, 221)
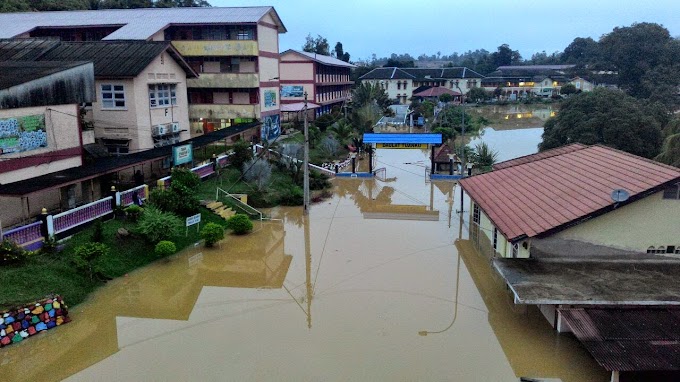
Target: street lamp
point(462, 147)
point(305, 163)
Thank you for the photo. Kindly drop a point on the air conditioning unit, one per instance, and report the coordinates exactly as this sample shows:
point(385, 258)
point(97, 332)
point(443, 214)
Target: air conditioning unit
point(157, 130)
point(174, 127)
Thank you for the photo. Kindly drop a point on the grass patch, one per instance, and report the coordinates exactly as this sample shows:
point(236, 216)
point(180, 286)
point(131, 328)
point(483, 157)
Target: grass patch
point(41, 275)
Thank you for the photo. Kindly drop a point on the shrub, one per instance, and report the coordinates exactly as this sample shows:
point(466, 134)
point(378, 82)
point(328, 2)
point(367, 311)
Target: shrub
point(156, 225)
point(133, 212)
point(49, 246)
point(240, 224)
point(292, 196)
point(318, 181)
point(165, 248)
point(258, 172)
point(86, 258)
point(212, 233)
point(185, 177)
point(242, 154)
point(98, 232)
point(186, 201)
point(11, 253)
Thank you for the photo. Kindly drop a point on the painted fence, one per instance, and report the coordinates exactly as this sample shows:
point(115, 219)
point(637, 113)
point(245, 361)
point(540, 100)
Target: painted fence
point(29, 236)
point(77, 216)
point(126, 197)
point(323, 170)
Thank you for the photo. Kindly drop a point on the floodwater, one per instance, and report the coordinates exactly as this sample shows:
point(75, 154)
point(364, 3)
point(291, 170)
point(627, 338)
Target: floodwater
point(379, 283)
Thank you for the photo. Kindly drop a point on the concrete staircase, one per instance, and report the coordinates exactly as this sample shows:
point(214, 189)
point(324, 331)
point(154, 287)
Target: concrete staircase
point(220, 209)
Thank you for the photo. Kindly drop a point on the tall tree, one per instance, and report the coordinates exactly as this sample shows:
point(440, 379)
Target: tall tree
point(581, 51)
point(317, 45)
point(504, 56)
point(7, 6)
point(633, 51)
point(340, 54)
point(608, 117)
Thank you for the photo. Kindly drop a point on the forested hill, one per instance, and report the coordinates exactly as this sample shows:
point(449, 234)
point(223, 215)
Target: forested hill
point(70, 5)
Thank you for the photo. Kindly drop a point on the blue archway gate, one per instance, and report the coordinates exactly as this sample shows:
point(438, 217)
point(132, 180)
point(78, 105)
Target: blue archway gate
point(402, 141)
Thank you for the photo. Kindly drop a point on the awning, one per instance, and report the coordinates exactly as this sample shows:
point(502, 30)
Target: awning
point(296, 107)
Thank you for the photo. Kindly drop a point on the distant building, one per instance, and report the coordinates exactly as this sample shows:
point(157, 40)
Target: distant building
point(325, 79)
point(520, 81)
point(235, 51)
point(401, 83)
point(593, 194)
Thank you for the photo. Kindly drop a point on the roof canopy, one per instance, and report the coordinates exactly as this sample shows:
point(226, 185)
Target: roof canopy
point(134, 24)
point(427, 138)
point(297, 106)
point(320, 58)
point(544, 195)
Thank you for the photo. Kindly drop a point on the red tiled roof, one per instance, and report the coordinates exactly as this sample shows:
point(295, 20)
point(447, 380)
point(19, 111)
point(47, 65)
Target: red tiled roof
point(532, 198)
point(629, 339)
point(436, 92)
point(542, 155)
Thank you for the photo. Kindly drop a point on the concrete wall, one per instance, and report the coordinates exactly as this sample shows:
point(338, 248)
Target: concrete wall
point(503, 246)
point(116, 123)
point(63, 133)
point(652, 221)
point(267, 37)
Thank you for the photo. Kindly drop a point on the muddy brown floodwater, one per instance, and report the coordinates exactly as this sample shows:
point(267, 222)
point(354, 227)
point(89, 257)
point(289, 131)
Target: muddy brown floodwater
point(378, 284)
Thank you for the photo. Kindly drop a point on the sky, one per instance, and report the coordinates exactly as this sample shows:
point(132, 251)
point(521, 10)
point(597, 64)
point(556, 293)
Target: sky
point(428, 26)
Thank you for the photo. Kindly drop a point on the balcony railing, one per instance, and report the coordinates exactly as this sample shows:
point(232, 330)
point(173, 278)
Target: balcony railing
point(217, 48)
point(216, 111)
point(225, 80)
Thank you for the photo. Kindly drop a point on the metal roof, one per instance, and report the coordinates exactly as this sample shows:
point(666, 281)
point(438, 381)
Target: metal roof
point(435, 91)
point(580, 281)
point(421, 74)
point(546, 195)
point(28, 49)
point(628, 339)
point(116, 58)
point(135, 24)
point(428, 138)
point(320, 58)
point(542, 155)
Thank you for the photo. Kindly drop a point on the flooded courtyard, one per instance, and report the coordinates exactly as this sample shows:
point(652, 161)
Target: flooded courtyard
point(379, 283)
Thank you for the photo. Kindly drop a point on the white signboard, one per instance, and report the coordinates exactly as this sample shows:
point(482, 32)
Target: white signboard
point(191, 220)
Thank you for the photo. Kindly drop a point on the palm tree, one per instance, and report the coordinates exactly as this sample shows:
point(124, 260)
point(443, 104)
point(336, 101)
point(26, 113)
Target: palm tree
point(343, 131)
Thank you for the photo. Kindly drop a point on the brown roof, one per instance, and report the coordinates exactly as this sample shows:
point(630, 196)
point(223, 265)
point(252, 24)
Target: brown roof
point(546, 195)
point(436, 92)
point(441, 155)
point(542, 155)
point(621, 339)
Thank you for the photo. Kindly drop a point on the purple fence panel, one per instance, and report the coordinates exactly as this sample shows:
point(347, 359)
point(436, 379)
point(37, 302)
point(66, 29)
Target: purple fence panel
point(223, 161)
point(203, 171)
point(126, 196)
point(77, 216)
point(24, 235)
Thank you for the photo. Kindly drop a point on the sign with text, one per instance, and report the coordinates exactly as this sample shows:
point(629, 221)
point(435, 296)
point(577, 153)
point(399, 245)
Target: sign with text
point(401, 145)
point(191, 220)
point(182, 154)
point(292, 91)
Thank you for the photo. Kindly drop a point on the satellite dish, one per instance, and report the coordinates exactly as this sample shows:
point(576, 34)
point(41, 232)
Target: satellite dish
point(620, 195)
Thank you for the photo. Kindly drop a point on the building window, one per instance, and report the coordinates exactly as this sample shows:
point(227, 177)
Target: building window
point(475, 214)
point(661, 249)
point(162, 95)
point(671, 249)
point(672, 192)
point(495, 238)
point(113, 96)
point(651, 249)
point(117, 147)
point(515, 250)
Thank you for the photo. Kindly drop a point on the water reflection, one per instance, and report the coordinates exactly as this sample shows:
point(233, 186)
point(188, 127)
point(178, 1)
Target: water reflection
point(331, 296)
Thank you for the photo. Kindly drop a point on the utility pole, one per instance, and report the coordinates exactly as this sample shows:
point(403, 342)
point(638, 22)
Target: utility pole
point(306, 164)
point(462, 129)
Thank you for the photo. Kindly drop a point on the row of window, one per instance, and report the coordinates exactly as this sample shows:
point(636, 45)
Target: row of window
point(223, 64)
point(664, 249)
point(211, 33)
point(160, 95)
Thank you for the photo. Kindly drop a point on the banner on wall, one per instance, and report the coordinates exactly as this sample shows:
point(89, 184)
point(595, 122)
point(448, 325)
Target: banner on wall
point(292, 91)
point(269, 98)
point(182, 154)
point(271, 127)
point(22, 134)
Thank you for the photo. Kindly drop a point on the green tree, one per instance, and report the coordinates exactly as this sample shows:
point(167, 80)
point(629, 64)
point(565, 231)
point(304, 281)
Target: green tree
point(340, 54)
point(478, 94)
point(484, 156)
point(242, 154)
point(505, 56)
point(581, 51)
point(317, 45)
point(568, 89)
point(399, 63)
point(367, 93)
point(633, 51)
point(343, 131)
point(7, 6)
point(609, 117)
point(446, 98)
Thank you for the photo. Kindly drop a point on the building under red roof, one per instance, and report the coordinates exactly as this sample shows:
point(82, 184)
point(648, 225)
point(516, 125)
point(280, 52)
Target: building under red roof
point(435, 92)
point(549, 193)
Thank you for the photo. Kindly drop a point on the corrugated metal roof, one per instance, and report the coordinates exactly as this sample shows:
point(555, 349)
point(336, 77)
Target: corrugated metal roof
point(435, 92)
point(547, 194)
point(628, 339)
point(25, 49)
point(320, 58)
point(426, 138)
point(135, 24)
point(422, 74)
point(542, 155)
